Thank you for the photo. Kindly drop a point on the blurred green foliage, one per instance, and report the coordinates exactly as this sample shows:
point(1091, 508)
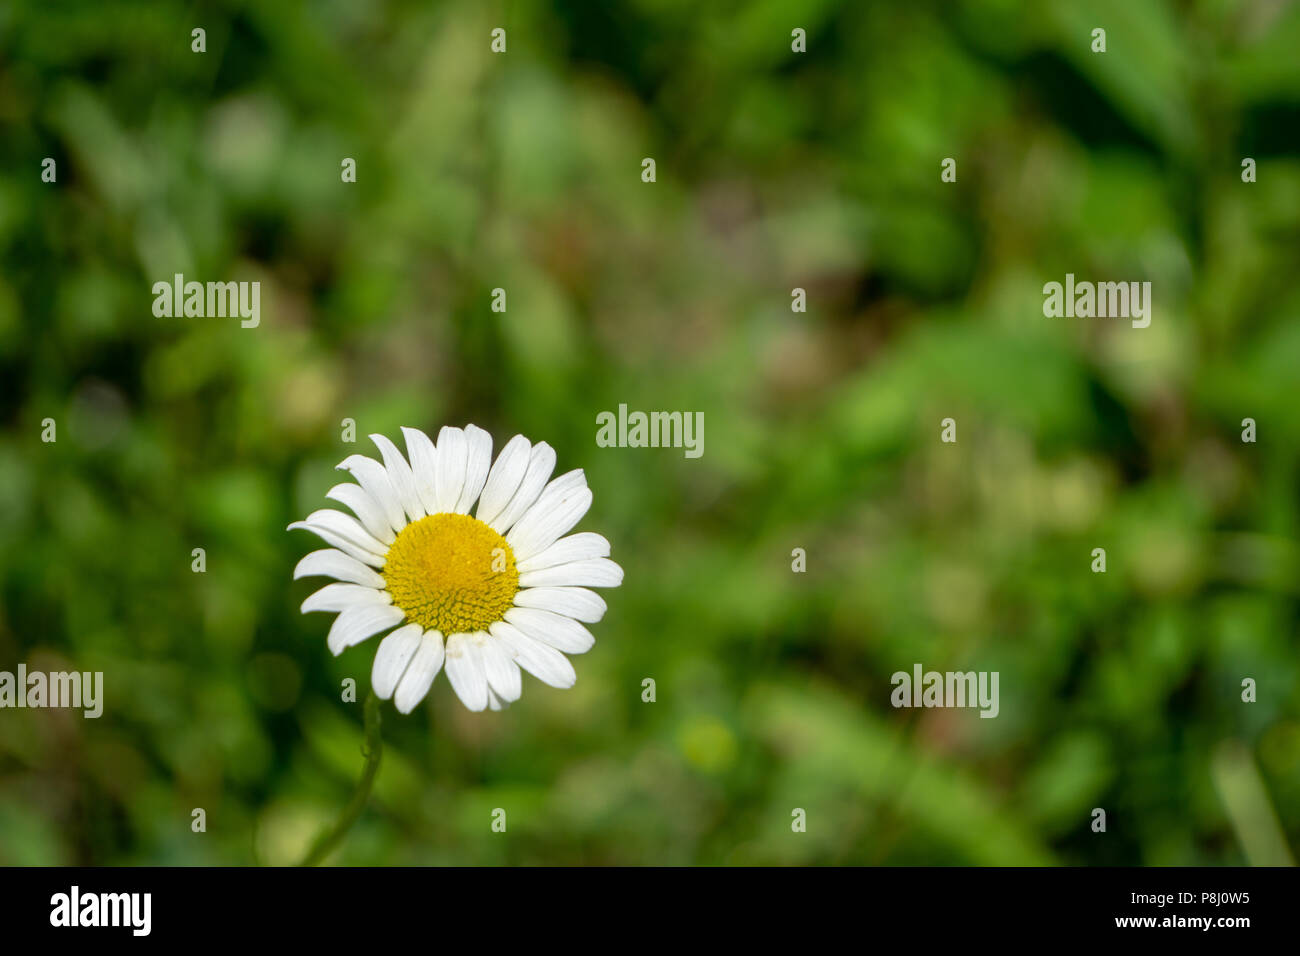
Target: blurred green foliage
point(775, 170)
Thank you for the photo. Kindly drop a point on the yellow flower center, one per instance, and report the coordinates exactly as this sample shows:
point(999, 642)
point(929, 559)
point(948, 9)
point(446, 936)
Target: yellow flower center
point(451, 573)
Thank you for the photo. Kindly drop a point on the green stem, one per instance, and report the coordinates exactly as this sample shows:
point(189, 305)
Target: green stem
point(372, 750)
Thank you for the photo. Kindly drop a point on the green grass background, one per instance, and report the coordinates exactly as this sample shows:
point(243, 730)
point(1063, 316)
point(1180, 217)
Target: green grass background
point(775, 171)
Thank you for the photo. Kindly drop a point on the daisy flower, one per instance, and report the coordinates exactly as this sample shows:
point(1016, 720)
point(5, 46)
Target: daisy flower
point(482, 595)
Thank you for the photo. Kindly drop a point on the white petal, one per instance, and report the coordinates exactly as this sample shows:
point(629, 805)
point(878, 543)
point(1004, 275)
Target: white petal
point(332, 563)
point(576, 547)
point(340, 597)
point(478, 459)
point(424, 459)
point(374, 479)
point(420, 672)
point(449, 476)
point(341, 544)
point(503, 480)
point(593, 573)
point(541, 462)
point(465, 671)
point(343, 533)
point(399, 475)
point(562, 486)
point(394, 653)
point(577, 603)
point(545, 663)
point(560, 507)
point(562, 633)
point(495, 702)
point(364, 507)
point(499, 666)
point(347, 527)
point(357, 623)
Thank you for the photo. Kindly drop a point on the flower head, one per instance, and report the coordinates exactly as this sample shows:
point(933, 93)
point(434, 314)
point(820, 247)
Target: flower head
point(484, 595)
